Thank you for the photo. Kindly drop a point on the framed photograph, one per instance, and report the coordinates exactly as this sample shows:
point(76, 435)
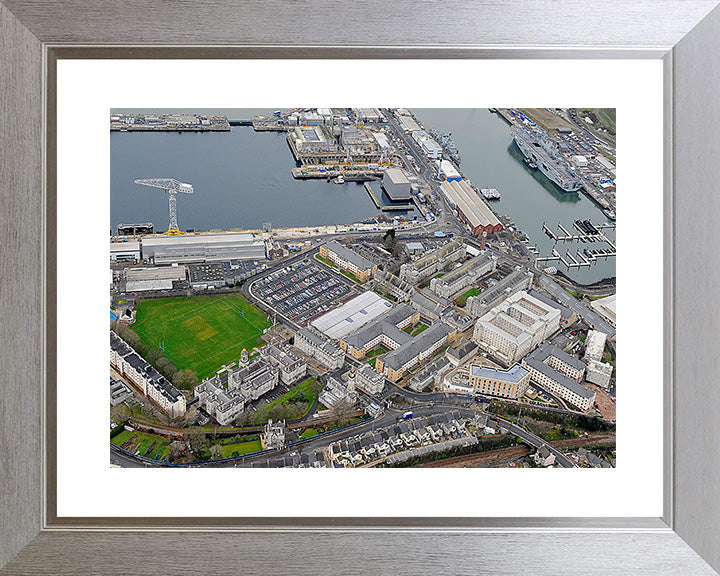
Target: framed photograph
point(362, 291)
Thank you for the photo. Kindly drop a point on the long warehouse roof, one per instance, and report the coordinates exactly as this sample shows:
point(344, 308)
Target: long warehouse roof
point(185, 239)
point(470, 203)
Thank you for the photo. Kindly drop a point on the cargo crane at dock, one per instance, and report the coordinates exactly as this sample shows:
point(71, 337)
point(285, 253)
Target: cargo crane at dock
point(172, 187)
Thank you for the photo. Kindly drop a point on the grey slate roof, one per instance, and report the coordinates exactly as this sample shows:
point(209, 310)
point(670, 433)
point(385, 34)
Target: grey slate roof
point(119, 345)
point(373, 330)
point(420, 343)
point(463, 348)
point(565, 312)
point(349, 255)
point(561, 379)
point(547, 350)
point(513, 374)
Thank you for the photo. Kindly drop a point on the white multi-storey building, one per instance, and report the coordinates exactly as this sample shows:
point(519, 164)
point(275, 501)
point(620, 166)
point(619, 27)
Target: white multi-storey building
point(291, 368)
point(369, 381)
point(556, 371)
point(595, 345)
point(458, 280)
point(317, 346)
point(274, 436)
point(225, 395)
point(155, 386)
point(335, 391)
point(516, 326)
point(432, 263)
point(222, 404)
point(599, 373)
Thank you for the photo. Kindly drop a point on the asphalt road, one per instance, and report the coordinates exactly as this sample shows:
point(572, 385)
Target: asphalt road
point(388, 418)
point(581, 309)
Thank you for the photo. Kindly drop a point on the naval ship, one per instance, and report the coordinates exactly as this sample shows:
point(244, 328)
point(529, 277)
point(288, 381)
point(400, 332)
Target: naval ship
point(543, 151)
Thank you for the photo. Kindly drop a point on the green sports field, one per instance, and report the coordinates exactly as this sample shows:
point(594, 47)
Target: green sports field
point(201, 332)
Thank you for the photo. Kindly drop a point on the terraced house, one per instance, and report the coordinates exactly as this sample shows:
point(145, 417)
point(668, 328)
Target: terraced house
point(153, 384)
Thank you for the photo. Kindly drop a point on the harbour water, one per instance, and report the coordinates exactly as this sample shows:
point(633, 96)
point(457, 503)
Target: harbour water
point(242, 179)
point(490, 159)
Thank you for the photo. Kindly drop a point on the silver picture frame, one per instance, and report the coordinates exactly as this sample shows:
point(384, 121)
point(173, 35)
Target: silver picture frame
point(685, 34)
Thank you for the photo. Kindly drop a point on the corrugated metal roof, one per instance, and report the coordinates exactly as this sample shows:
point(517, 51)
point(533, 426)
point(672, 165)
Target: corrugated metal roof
point(352, 315)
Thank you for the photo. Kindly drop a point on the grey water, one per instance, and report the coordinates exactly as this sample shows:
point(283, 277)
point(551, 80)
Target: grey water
point(242, 179)
point(490, 159)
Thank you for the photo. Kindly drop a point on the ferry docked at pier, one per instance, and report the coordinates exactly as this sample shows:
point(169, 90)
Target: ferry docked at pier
point(543, 152)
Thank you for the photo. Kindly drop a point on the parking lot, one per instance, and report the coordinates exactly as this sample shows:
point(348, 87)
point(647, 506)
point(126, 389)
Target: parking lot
point(302, 291)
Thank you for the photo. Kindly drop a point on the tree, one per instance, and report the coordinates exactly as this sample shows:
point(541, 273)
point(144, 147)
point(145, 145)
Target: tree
point(166, 367)
point(343, 412)
point(389, 239)
point(278, 412)
point(216, 451)
point(130, 337)
point(297, 409)
point(176, 450)
point(185, 379)
point(153, 355)
point(242, 420)
point(198, 442)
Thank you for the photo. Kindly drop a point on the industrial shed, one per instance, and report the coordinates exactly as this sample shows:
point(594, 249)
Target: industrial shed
point(203, 247)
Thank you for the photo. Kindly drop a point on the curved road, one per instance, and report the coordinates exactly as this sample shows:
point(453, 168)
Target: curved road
point(388, 418)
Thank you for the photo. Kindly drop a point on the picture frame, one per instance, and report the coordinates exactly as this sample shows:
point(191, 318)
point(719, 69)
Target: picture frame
point(34, 37)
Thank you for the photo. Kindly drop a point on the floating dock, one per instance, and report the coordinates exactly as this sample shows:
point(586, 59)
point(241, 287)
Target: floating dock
point(590, 232)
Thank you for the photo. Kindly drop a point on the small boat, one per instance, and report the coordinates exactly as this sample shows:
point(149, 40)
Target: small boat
point(339, 180)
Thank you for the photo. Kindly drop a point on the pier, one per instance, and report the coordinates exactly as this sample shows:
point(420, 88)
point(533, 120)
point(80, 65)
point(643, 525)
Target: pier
point(268, 124)
point(589, 233)
point(354, 173)
point(580, 259)
point(168, 123)
point(505, 114)
point(369, 189)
